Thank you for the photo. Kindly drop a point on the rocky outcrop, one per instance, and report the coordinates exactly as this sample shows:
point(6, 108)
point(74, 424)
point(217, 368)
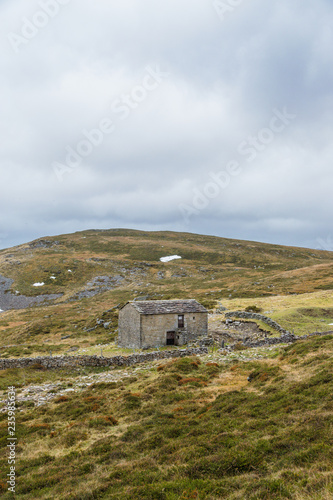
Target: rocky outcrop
point(9, 300)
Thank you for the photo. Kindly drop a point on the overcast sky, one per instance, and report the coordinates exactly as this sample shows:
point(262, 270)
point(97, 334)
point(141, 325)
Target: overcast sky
point(204, 116)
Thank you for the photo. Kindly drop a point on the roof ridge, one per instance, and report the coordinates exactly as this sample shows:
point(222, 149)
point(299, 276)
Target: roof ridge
point(169, 306)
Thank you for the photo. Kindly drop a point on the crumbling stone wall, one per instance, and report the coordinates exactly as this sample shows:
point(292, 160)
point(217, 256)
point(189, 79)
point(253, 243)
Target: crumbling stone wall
point(261, 317)
point(50, 362)
point(287, 338)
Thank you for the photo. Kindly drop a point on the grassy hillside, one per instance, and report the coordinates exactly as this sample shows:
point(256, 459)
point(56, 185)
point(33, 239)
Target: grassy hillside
point(210, 265)
point(191, 428)
point(96, 270)
point(303, 314)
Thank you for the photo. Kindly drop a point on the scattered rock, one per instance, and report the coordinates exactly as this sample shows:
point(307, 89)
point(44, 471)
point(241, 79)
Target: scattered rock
point(43, 244)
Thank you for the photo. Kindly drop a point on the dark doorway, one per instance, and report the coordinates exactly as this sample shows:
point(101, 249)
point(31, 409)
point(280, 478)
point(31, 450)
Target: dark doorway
point(171, 338)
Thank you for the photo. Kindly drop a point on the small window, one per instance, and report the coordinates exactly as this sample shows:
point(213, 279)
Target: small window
point(194, 318)
point(180, 320)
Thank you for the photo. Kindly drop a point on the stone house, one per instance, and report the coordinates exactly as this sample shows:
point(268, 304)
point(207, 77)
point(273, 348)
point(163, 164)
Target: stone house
point(152, 323)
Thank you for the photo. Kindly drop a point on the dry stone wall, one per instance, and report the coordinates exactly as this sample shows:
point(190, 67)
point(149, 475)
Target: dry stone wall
point(288, 338)
point(50, 362)
point(261, 317)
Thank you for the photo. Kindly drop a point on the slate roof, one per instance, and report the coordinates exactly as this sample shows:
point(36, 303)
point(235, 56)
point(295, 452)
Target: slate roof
point(168, 306)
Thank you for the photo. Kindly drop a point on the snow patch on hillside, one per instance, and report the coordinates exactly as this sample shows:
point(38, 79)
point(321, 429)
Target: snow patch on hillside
point(169, 258)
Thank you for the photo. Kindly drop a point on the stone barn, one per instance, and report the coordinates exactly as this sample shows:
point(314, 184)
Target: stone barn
point(152, 323)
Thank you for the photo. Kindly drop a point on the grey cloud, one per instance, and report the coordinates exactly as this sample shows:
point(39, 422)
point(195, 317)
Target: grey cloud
point(225, 79)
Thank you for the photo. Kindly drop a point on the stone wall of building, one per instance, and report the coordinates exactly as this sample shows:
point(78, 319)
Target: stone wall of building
point(129, 327)
point(50, 362)
point(154, 328)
